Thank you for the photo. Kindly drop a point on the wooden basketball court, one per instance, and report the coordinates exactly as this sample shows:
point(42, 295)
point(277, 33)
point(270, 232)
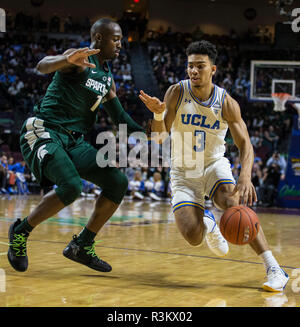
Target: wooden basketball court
point(152, 264)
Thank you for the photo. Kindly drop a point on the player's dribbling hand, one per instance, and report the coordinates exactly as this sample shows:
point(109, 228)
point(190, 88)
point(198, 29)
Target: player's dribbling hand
point(152, 103)
point(246, 191)
point(79, 57)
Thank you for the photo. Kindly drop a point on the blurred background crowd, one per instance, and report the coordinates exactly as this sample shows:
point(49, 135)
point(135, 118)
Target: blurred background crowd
point(21, 86)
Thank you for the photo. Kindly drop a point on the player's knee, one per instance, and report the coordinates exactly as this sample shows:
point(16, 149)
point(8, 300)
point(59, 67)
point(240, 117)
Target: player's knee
point(119, 183)
point(69, 191)
point(73, 190)
point(116, 186)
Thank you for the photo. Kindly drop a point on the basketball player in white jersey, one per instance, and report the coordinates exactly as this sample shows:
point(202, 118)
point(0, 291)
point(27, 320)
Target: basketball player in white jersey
point(201, 108)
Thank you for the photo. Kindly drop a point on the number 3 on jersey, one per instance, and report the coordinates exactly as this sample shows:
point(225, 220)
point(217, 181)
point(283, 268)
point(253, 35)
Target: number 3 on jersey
point(199, 141)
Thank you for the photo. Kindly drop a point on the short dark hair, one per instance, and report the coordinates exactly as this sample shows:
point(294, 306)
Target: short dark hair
point(204, 48)
point(101, 25)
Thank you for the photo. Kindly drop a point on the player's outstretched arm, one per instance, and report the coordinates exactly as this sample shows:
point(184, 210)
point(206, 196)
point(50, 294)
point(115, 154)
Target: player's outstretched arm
point(118, 115)
point(239, 132)
point(70, 59)
point(164, 112)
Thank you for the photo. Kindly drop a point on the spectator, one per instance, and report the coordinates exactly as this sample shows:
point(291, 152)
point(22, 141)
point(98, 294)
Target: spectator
point(255, 139)
point(137, 186)
point(258, 122)
point(19, 170)
point(278, 160)
point(19, 84)
point(68, 24)
point(256, 177)
point(54, 25)
point(3, 174)
point(155, 187)
point(227, 82)
point(89, 189)
point(271, 138)
point(11, 177)
point(13, 90)
point(262, 151)
point(268, 188)
point(3, 177)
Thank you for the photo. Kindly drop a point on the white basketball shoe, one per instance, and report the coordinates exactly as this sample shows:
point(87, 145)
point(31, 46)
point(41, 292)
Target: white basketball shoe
point(277, 279)
point(214, 239)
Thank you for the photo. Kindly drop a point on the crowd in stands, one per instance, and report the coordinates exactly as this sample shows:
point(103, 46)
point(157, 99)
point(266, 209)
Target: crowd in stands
point(22, 86)
point(13, 176)
point(55, 24)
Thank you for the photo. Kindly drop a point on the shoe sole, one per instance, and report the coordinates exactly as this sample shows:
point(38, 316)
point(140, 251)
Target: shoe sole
point(16, 269)
point(84, 264)
point(220, 256)
point(223, 256)
point(271, 289)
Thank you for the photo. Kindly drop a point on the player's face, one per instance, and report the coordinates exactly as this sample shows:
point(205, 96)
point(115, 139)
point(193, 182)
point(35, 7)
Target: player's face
point(111, 42)
point(200, 70)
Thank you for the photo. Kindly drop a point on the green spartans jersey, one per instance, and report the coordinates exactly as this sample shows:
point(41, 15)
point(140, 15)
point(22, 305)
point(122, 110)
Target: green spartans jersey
point(71, 99)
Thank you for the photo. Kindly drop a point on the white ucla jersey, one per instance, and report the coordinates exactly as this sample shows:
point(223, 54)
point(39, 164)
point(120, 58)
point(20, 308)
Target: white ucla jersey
point(199, 126)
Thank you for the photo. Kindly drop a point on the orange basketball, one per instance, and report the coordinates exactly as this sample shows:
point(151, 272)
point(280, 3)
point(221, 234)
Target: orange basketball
point(239, 225)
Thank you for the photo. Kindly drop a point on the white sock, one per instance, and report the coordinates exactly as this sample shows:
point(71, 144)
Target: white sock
point(268, 259)
point(209, 224)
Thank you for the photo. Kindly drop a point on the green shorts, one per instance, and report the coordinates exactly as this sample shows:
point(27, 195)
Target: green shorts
point(56, 157)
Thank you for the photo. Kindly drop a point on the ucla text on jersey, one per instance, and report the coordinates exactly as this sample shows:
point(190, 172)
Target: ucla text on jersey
point(201, 119)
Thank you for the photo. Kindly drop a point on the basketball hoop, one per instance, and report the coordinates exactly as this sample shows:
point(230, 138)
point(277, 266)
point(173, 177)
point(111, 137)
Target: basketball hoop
point(279, 101)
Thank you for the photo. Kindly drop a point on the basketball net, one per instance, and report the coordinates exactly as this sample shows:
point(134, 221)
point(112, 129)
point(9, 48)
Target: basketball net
point(279, 101)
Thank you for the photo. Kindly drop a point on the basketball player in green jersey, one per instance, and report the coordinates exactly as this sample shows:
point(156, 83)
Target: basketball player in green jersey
point(53, 146)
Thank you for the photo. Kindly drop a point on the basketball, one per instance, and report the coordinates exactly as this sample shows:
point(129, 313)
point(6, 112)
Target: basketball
point(239, 225)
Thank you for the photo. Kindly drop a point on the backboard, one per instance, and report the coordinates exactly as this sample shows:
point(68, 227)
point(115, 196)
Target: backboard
point(268, 77)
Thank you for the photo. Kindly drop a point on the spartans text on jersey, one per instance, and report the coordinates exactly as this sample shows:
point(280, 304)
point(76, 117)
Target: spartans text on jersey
point(95, 85)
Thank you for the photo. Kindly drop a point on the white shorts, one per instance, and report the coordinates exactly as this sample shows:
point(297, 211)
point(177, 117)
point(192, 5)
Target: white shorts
point(192, 191)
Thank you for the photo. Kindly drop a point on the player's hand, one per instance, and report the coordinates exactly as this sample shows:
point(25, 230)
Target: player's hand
point(79, 57)
point(246, 191)
point(152, 103)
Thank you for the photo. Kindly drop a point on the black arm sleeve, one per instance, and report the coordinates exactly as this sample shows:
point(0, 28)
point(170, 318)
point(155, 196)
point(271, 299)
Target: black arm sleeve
point(118, 116)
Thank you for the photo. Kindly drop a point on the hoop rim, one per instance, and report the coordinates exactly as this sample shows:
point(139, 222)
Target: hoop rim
point(281, 95)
